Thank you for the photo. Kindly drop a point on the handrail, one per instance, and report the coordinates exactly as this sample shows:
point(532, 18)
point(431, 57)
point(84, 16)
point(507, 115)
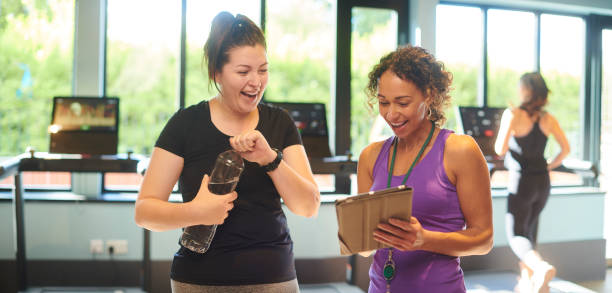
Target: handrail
point(584, 169)
point(10, 166)
point(32, 161)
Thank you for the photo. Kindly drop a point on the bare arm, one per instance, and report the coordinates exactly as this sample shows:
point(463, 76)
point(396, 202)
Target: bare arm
point(154, 212)
point(365, 166)
point(466, 168)
point(560, 137)
point(504, 133)
point(293, 178)
point(295, 183)
point(465, 164)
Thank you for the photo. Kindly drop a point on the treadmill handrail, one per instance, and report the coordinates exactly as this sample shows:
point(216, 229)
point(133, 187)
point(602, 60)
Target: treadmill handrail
point(11, 166)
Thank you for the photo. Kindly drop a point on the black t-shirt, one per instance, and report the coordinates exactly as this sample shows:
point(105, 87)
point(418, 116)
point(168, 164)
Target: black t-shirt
point(253, 245)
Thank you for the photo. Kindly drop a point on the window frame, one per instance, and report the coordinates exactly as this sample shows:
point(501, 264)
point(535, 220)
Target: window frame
point(341, 127)
point(591, 86)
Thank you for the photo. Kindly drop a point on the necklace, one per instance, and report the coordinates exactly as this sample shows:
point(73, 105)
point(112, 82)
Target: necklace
point(389, 267)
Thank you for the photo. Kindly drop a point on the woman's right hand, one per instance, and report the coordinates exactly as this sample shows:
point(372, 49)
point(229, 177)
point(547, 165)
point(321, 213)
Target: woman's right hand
point(210, 208)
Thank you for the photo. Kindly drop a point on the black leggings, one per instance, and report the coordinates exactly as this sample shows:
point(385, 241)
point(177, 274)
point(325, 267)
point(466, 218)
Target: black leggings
point(527, 197)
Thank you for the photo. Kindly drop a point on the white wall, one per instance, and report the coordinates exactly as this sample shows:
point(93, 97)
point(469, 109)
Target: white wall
point(62, 230)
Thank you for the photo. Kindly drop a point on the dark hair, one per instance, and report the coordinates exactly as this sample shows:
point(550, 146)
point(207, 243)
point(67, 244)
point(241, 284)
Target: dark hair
point(228, 32)
point(538, 92)
point(417, 65)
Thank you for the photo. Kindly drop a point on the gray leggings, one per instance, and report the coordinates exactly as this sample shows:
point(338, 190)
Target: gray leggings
point(282, 287)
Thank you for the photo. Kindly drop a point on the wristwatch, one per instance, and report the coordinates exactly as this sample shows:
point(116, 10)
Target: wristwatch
point(274, 164)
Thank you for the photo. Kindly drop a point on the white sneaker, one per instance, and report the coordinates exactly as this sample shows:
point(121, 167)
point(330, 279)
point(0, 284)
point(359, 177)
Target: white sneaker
point(542, 275)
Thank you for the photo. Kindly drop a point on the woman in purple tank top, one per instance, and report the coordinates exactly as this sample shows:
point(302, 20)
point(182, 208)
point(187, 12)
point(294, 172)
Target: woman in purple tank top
point(451, 210)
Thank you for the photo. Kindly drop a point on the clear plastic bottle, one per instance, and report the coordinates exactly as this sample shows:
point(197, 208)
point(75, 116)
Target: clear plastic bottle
point(223, 180)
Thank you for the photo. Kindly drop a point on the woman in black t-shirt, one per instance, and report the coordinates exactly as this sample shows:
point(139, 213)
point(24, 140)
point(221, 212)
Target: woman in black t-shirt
point(251, 250)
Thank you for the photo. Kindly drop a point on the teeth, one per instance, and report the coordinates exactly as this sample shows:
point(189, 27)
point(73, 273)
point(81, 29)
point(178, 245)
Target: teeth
point(397, 124)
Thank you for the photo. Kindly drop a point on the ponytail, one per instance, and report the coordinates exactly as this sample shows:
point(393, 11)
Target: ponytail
point(228, 32)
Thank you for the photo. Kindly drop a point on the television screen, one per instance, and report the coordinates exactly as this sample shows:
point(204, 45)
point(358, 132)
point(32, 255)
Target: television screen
point(482, 123)
point(84, 125)
point(85, 114)
point(310, 120)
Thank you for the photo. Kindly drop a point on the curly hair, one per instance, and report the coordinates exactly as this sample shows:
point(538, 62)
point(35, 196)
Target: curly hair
point(417, 65)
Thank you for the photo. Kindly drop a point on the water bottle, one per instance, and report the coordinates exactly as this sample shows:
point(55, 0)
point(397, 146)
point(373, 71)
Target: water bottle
point(223, 180)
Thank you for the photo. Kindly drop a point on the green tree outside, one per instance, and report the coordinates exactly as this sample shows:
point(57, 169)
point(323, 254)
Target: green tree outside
point(37, 37)
point(36, 61)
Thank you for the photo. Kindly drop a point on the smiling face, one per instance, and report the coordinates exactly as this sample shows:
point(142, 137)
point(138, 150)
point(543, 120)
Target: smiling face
point(401, 103)
point(244, 78)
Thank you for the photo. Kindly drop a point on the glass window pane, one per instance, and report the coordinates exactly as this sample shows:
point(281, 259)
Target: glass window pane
point(605, 163)
point(122, 181)
point(606, 112)
point(142, 54)
point(199, 18)
point(374, 34)
point(511, 52)
point(459, 39)
point(301, 48)
point(301, 51)
point(36, 56)
point(39, 180)
point(563, 71)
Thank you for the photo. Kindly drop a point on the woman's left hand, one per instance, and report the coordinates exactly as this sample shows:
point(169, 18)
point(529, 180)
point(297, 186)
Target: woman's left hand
point(400, 234)
point(253, 147)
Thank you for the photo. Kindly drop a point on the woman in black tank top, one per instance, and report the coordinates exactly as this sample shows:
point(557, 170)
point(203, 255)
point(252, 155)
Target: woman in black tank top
point(522, 138)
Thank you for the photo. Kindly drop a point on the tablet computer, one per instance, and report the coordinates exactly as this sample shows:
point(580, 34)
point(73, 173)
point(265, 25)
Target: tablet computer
point(359, 215)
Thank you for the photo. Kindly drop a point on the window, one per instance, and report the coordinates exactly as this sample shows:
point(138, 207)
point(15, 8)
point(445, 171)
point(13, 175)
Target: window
point(199, 18)
point(511, 52)
point(605, 163)
point(141, 68)
point(459, 41)
point(36, 58)
point(36, 61)
point(142, 54)
point(562, 66)
point(301, 45)
point(373, 35)
point(606, 111)
point(301, 51)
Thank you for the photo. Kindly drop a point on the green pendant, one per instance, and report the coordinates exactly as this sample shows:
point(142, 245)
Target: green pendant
point(389, 270)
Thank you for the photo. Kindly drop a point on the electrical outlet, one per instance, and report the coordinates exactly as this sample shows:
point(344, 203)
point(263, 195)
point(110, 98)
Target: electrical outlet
point(96, 246)
point(118, 246)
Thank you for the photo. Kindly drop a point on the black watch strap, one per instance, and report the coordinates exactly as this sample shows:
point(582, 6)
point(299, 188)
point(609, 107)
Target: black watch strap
point(274, 164)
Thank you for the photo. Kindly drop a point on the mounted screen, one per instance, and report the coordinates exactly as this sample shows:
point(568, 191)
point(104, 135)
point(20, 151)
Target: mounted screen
point(482, 123)
point(84, 125)
point(310, 120)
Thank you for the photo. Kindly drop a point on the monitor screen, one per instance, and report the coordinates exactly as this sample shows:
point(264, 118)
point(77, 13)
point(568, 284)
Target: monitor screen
point(85, 114)
point(310, 120)
point(482, 123)
point(309, 117)
point(84, 125)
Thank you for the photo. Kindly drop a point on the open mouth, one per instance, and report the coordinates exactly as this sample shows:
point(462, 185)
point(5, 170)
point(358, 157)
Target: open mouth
point(250, 95)
point(397, 125)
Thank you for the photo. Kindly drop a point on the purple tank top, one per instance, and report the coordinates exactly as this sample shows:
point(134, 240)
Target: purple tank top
point(436, 206)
